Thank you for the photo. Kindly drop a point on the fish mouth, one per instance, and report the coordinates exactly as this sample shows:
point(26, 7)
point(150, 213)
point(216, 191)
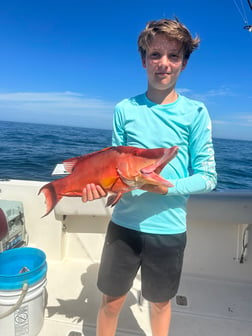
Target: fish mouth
point(151, 173)
point(168, 155)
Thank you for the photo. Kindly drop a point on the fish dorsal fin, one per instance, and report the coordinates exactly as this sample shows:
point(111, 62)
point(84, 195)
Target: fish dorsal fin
point(70, 164)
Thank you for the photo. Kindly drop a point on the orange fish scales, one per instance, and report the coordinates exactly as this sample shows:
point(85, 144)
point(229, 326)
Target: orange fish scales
point(108, 182)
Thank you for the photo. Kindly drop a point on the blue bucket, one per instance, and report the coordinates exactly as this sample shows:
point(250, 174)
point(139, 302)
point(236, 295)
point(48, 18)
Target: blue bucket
point(21, 265)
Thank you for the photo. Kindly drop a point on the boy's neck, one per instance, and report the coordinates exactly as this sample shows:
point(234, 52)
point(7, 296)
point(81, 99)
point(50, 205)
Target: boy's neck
point(162, 97)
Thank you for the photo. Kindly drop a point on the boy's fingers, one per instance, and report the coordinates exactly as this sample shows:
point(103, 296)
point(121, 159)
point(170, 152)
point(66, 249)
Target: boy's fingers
point(101, 191)
point(92, 192)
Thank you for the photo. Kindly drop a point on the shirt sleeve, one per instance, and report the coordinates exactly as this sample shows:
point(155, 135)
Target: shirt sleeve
point(203, 176)
point(118, 132)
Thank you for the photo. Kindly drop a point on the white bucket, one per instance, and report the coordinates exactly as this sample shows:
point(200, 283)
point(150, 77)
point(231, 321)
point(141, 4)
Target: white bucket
point(23, 310)
point(22, 291)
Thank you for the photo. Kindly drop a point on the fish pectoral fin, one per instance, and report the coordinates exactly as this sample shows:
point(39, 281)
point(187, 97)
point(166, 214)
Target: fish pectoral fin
point(113, 199)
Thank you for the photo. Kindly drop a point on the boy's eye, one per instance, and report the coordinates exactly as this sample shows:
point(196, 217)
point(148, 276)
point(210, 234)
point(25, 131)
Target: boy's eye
point(155, 55)
point(174, 57)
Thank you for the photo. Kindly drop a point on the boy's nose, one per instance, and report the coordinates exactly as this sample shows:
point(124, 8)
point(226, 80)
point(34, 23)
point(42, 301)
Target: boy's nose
point(165, 61)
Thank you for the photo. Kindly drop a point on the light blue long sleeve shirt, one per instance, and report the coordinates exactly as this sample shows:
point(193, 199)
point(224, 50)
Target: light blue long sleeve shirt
point(185, 123)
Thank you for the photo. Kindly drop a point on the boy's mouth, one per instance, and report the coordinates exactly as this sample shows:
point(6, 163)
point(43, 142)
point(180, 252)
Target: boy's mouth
point(163, 73)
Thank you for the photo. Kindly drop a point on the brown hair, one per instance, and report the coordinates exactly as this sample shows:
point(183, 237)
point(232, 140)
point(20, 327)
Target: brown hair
point(173, 30)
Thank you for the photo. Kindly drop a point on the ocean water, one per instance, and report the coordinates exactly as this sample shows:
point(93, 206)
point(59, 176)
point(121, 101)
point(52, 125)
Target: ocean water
point(31, 151)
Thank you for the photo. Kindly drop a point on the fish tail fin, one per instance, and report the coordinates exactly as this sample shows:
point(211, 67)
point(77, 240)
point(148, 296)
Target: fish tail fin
point(51, 197)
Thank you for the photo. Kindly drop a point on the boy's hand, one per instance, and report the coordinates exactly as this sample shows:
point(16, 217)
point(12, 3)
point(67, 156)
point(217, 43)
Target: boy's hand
point(92, 192)
point(156, 189)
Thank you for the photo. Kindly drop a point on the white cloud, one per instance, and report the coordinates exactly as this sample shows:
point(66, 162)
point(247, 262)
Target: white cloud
point(236, 120)
point(244, 119)
point(184, 90)
point(239, 127)
point(207, 95)
point(56, 107)
point(218, 92)
point(71, 98)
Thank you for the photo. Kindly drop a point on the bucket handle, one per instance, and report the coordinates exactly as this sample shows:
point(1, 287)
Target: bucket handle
point(18, 303)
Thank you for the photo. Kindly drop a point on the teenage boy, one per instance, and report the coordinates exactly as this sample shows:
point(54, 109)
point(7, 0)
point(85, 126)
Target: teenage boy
point(148, 227)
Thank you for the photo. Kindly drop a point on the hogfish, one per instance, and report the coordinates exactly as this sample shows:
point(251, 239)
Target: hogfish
point(116, 169)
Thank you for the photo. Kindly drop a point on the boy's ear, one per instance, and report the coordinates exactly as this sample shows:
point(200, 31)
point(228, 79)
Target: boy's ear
point(143, 62)
point(184, 64)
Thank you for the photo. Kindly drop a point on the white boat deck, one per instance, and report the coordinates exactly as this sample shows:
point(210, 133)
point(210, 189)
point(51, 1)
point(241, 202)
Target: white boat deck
point(213, 307)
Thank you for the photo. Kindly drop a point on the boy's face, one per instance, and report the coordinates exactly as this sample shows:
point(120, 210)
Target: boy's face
point(163, 62)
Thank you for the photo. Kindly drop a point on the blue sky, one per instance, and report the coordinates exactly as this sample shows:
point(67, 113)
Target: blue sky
point(69, 62)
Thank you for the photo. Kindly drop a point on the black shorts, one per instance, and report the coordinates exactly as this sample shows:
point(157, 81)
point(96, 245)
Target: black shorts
point(159, 256)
